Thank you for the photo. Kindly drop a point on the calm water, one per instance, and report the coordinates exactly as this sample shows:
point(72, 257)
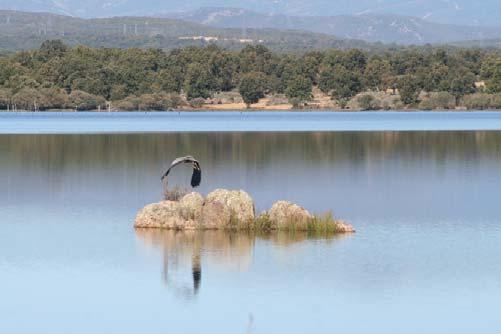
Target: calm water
point(104, 122)
point(426, 258)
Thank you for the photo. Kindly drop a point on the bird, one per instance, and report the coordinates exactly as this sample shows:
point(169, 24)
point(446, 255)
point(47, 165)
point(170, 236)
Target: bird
point(196, 177)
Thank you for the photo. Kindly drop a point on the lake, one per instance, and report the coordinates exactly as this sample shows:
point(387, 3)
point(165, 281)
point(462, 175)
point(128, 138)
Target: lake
point(130, 122)
point(426, 257)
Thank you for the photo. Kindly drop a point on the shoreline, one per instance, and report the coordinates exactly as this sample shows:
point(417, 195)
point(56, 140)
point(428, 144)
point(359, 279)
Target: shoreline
point(251, 110)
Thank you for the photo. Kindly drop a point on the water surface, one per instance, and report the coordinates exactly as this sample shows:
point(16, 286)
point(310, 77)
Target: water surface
point(426, 257)
point(210, 121)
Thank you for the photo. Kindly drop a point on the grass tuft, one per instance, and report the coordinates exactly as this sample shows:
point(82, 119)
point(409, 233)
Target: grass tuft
point(325, 223)
point(175, 194)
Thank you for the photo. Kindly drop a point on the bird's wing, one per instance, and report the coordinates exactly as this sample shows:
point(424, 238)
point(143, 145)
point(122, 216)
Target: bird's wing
point(187, 159)
point(196, 177)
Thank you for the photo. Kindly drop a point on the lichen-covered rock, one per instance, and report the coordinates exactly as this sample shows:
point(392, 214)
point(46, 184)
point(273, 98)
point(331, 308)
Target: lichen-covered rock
point(165, 214)
point(238, 202)
point(282, 214)
point(215, 215)
point(344, 227)
point(191, 205)
point(225, 209)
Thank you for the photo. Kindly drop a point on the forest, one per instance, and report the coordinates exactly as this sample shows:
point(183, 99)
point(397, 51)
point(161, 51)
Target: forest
point(57, 76)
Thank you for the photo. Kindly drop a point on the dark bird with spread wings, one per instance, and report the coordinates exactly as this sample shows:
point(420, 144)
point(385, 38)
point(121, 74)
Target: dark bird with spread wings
point(196, 178)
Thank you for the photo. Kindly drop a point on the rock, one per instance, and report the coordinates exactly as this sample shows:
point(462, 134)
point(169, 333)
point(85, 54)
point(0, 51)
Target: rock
point(283, 214)
point(219, 210)
point(225, 209)
point(191, 205)
point(215, 215)
point(165, 214)
point(343, 227)
point(238, 202)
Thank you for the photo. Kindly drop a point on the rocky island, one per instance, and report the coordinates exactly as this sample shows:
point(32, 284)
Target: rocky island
point(233, 209)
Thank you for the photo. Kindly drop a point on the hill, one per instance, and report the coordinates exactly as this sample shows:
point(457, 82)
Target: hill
point(383, 28)
point(23, 30)
point(461, 12)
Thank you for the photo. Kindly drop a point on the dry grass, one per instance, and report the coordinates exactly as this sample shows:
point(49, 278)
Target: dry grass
point(263, 223)
point(325, 223)
point(318, 224)
point(174, 194)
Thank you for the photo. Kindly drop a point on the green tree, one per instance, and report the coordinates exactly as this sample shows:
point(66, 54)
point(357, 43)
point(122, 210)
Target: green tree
point(377, 74)
point(355, 60)
point(198, 82)
point(256, 58)
point(118, 92)
point(310, 65)
point(85, 101)
point(299, 90)
point(252, 87)
point(27, 99)
point(7, 70)
point(170, 79)
point(409, 89)
point(462, 83)
point(368, 102)
point(53, 98)
point(491, 73)
point(340, 83)
point(435, 79)
point(51, 49)
point(222, 68)
point(408, 62)
point(288, 68)
point(19, 82)
point(5, 98)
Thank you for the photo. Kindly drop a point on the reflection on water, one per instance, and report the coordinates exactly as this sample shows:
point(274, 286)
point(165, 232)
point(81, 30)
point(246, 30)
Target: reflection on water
point(406, 174)
point(229, 249)
point(59, 151)
point(425, 206)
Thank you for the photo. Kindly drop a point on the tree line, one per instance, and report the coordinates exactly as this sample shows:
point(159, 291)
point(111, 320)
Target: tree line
point(56, 76)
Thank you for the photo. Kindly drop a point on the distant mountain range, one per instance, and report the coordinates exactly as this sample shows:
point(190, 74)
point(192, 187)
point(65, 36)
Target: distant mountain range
point(386, 21)
point(460, 12)
point(24, 30)
point(369, 27)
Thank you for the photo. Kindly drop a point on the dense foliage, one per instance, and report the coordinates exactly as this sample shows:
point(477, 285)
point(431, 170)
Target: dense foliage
point(56, 76)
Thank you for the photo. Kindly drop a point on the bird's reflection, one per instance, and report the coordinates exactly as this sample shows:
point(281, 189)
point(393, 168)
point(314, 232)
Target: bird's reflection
point(229, 249)
point(196, 271)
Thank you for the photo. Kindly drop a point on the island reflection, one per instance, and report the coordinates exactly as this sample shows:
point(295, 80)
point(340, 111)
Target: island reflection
point(187, 250)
